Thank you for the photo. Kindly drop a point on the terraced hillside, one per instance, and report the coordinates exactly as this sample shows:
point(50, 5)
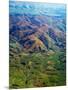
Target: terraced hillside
point(37, 42)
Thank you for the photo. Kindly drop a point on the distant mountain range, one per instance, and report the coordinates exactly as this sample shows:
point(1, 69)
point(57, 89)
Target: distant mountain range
point(37, 8)
point(37, 26)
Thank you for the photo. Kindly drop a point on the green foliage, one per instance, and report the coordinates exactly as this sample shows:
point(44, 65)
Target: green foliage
point(37, 70)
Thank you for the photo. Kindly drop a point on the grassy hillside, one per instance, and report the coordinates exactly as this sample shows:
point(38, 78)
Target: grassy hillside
point(37, 70)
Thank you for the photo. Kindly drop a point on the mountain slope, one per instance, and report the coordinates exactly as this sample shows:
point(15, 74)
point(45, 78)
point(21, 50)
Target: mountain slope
point(31, 32)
